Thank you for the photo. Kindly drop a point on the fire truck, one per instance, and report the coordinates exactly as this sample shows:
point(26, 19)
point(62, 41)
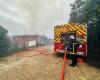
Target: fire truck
point(62, 34)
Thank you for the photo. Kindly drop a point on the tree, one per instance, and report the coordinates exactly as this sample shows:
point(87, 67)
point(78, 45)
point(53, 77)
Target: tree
point(5, 45)
point(88, 11)
point(76, 12)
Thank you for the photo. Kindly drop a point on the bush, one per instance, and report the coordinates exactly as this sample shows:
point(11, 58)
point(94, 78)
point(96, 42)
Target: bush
point(5, 43)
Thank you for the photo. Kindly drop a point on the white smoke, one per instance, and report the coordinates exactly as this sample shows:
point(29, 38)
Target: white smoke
point(33, 16)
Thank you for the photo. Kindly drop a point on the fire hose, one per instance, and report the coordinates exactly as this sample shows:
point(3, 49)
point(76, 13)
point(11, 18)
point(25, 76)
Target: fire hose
point(42, 51)
point(64, 64)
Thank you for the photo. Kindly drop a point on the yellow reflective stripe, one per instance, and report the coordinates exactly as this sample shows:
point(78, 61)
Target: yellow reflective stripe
point(80, 30)
point(74, 46)
point(61, 29)
point(57, 39)
point(57, 29)
point(84, 28)
point(75, 29)
point(69, 28)
point(78, 27)
point(59, 32)
point(82, 34)
point(64, 28)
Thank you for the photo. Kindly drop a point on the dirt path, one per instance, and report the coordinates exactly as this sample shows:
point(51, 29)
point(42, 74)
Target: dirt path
point(26, 66)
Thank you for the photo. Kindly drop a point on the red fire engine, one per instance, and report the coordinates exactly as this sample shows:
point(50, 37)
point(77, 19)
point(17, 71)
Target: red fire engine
point(62, 33)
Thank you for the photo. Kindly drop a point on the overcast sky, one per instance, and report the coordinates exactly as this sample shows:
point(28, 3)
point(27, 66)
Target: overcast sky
point(33, 16)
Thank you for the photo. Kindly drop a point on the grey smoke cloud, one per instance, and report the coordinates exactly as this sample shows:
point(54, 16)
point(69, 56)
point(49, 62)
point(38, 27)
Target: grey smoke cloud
point(33, 16)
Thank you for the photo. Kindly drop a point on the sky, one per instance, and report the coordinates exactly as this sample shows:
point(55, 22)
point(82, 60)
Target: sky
point(21, 17)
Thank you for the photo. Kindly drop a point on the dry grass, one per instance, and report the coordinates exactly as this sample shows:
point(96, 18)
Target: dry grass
point(34, 68)
point(43, 67)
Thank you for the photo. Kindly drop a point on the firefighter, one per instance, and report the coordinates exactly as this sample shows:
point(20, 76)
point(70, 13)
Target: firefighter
point(72, 42)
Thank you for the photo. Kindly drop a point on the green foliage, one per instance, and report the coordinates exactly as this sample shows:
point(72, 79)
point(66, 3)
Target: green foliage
point(76, 11)
point(82, 11)
point(16, 48)
point(88, 11)
point(5, 44)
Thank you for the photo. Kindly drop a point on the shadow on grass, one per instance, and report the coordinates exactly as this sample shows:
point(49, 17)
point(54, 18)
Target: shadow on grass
point(93, 60)
point(59, 55)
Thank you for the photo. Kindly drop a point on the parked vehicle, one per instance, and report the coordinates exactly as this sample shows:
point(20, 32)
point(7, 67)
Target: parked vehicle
point(63, 33)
